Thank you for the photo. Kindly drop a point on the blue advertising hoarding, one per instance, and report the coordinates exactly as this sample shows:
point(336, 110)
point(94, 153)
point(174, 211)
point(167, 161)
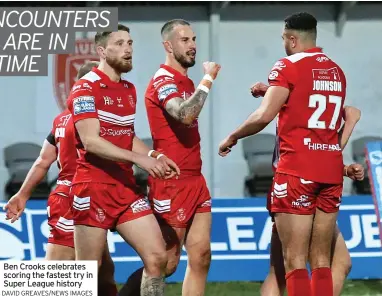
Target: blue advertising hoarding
point(374, 162)
point(241, 235)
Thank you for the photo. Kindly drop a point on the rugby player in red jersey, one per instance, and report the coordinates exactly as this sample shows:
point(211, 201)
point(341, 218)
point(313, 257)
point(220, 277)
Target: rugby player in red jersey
point(182, 204)
point(307, 90)
point(104, 192)
point(274, 284)
point(60, 146)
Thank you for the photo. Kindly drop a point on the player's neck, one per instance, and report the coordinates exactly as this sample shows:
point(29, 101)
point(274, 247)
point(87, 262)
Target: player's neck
point(110, 72)
point(175, 65)
point(307, 46)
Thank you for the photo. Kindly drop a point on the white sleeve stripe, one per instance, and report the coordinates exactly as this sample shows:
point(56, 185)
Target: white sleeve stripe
point(162, 72)
point(91, 76)
point(115, 116)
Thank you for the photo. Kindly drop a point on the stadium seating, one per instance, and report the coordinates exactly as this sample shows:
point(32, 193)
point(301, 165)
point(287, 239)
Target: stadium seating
point(18, 159)
point(140, 174)
point(258, 152)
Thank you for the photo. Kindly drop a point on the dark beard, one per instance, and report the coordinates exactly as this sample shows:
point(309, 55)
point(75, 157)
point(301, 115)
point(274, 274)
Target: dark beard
point(182, 60)
point(118, 65)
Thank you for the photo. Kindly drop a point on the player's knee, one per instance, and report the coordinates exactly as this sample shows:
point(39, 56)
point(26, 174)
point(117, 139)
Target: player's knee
point(347, 268)
point(319, 261)
point(155, 263)
point(172, 265)
point(343, 268)
point(295, 261)
point(200, 260)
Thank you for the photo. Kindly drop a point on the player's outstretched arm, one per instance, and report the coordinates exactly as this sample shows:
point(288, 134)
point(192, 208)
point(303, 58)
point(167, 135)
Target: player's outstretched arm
point(351, 116)
point(274, 99)
point(186, 111)
point(16, 205)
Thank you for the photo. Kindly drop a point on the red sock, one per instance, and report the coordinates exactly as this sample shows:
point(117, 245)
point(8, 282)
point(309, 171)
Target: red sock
point(322, 282)
point(298, 282)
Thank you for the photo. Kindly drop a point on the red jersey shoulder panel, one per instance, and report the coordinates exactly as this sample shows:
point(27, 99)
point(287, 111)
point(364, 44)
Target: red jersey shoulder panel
point(82, 97)
point(164, 87)
point(283, 74)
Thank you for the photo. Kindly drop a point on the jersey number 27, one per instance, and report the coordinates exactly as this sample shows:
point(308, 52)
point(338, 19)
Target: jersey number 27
point(319, 101)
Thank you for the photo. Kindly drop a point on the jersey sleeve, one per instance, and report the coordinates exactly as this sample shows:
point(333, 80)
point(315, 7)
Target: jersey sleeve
point(82, 101)
point(51, 139)
point(282, 74)
point(165, 89)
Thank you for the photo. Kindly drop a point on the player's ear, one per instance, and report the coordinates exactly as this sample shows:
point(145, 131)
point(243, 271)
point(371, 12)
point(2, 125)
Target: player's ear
point(167, 46)
point(101, 52)
point(293, 41)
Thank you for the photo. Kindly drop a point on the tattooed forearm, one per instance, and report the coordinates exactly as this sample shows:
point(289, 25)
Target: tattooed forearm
point(188, 110)
point(152, 286)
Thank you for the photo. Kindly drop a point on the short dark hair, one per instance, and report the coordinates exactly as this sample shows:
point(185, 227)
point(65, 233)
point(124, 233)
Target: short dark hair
point(169, 26)
point(86, 68)
point(301, 21)
point(101, 37)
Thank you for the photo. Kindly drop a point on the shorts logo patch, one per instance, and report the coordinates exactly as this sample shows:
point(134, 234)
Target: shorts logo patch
point(301, 202)
point(280, 190)
point(166, 90)
point(206, 204)
point(83, 104)
point(81, 203)
point(100, 215)
point(162, 206)
point(65, 225)
point(180, 215)
point(140, 205)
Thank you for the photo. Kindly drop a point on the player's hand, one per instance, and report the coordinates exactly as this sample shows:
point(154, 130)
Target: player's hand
point(170, 166)
point(153, 166)
point(211, 68)
point(259, 89)
point(15, 207)
point(356, 171)
point(226, 145)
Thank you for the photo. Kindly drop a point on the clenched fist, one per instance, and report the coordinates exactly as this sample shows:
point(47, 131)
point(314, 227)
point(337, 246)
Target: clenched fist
point(259, 89)
point(211, 68)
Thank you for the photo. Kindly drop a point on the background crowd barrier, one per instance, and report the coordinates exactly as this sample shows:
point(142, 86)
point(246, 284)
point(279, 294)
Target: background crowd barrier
point(241, 235)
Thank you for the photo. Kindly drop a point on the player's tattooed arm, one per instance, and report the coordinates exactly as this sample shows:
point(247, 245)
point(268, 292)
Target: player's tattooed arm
point(186, 111)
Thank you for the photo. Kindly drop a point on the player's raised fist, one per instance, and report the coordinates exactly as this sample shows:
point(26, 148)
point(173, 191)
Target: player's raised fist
point(259, 89)
point(211, 68)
